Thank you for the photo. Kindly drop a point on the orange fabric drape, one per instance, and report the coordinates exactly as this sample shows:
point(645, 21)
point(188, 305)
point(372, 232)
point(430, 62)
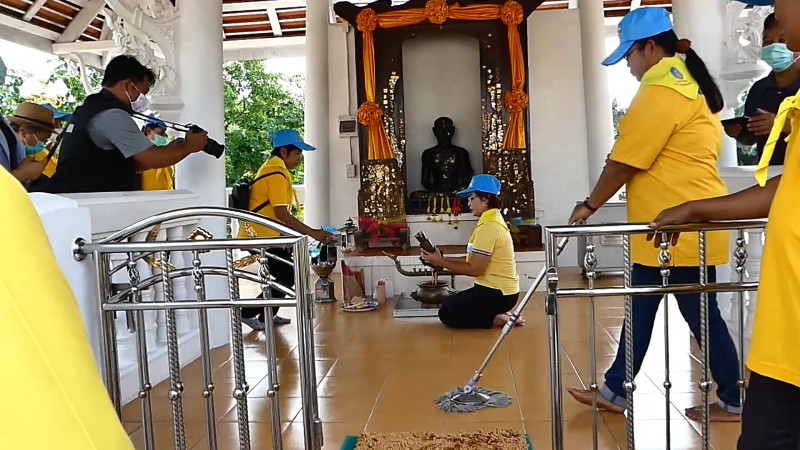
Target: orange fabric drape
point(437, 12)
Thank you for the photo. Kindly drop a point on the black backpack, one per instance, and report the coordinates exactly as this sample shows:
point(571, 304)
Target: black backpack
point(240, 193)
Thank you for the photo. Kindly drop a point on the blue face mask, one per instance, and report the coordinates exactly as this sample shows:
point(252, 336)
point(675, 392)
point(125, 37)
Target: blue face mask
point(778, 56)
point(160, 141)
point(31, 150)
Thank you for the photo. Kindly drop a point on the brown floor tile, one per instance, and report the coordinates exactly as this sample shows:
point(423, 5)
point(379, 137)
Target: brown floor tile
point(395, 426)
point(228, 436)
point(333, 435)
point(164, 436)
point(380, 374)
point(260, 410)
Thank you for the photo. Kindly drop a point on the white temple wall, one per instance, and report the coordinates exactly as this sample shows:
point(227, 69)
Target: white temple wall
point(442, 78)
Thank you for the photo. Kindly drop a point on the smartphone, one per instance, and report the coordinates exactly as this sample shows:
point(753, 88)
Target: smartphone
point(426, 245)
point(737, 129)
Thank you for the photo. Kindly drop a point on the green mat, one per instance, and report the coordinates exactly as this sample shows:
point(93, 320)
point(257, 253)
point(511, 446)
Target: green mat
point(351, 441)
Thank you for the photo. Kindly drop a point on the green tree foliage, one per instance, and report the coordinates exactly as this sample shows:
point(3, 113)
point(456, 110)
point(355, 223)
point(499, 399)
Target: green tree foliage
point(9, 91)
point(10, 96)
point(257, 104)
point(76, 94)
point(617, 113)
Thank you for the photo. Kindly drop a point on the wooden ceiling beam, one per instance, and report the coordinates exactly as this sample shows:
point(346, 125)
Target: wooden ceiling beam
point(81, 21)
point(34, 8)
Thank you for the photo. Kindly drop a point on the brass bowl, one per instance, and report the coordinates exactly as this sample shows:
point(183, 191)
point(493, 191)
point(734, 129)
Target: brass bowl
point(431, 293)
point(323, 271)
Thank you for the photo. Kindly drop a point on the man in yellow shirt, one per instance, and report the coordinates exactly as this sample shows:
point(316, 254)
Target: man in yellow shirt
point(771, 416)
point(667, 152)
point(272, 195)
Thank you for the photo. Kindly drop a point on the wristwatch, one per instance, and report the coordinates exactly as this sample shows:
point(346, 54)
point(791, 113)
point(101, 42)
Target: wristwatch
point(586, 205)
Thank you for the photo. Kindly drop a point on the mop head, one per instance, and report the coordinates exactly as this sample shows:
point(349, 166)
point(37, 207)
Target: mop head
point(459, 402)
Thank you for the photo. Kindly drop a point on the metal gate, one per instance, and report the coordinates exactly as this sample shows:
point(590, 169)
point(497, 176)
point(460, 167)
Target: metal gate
point(556, 292)
point(200, 247)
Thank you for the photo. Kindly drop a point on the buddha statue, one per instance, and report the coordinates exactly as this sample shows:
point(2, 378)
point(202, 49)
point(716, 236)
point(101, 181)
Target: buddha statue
point(445, 167)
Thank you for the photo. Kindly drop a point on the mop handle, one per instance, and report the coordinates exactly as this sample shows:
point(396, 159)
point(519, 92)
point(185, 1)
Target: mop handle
point(513, 319)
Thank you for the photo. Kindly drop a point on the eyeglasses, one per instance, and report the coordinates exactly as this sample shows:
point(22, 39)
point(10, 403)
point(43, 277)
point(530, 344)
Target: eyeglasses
point(471, 198)
point(633, 50)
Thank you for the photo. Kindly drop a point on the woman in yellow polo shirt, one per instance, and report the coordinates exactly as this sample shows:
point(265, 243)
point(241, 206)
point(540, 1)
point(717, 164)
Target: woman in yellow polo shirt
point(666, 154)
point(490, 259)
point(771, 416)
point(54, 397)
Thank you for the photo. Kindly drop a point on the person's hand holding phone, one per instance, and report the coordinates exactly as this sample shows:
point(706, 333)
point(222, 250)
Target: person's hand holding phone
point(762, 123)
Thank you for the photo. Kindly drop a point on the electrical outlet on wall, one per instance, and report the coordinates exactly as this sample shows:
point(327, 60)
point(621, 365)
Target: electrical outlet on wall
point(351, 171)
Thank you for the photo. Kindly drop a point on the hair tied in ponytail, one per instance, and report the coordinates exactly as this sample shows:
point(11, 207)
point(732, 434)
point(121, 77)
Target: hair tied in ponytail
point(683, 46)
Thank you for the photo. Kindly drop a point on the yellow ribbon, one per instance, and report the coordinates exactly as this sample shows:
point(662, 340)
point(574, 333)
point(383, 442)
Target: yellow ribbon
point(790, 109)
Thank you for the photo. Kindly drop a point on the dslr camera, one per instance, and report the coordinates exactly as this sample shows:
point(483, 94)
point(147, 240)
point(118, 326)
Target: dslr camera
point(212, 147)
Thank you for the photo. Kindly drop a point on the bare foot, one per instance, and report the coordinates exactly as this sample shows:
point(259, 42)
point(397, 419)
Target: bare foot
point(501, 320)
point(585, 396)
point(715, 414)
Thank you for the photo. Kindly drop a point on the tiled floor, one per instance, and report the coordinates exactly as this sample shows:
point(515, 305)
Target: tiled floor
point(376, 373)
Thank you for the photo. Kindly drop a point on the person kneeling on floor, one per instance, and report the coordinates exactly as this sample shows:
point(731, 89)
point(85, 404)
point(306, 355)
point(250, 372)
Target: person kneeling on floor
point(490, 259)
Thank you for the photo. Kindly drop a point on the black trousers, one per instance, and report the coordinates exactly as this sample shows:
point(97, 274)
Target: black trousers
point(771, 415)
point(475, 307)
point(283, 273)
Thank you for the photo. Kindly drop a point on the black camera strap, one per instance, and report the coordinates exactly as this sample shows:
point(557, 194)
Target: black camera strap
point(266, 203)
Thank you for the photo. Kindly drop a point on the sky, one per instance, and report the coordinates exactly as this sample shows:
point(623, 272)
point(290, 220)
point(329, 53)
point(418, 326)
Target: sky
point(621, 84)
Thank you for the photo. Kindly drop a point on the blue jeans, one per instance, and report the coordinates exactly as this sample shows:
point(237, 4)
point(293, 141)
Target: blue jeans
point(724, 362)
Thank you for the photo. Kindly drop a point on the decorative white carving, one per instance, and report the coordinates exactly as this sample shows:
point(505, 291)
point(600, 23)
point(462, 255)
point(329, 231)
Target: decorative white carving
point(741, 60)
point(146, 29)
point(76, 63)
point(159, 9)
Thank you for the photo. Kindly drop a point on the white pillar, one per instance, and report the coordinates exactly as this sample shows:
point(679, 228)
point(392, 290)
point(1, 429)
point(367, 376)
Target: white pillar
point(703, 23)
point(198, 42)
point(599, 120)
point(317, 175)
point(199, 48)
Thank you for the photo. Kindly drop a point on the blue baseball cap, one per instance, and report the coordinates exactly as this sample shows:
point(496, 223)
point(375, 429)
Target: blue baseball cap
point(641, 23)
point(155, 122)
point(482, 183)
point(290, 138)
point(57, 115)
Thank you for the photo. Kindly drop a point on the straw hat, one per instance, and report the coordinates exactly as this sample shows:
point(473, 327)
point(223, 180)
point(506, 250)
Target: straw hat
point(34, 116)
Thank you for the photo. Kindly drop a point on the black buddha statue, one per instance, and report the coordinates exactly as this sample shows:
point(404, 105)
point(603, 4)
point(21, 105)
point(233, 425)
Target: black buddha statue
point(445, 167)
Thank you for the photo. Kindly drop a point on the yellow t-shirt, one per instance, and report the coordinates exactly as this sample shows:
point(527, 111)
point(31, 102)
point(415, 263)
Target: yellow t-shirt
point(671, 135)
point(53, 397)
point(50, 168)
point(275, 189)
point(158, 179)
point(492, 238)
point(774, 352)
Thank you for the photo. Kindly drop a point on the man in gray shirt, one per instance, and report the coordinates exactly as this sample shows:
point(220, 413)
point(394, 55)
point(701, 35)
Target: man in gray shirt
point(103, 149)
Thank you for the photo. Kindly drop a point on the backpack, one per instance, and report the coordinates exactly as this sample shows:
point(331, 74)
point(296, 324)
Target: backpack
point(240, 193)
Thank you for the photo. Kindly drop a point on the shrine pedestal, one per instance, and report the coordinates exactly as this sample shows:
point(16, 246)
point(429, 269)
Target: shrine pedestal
point(377, 266)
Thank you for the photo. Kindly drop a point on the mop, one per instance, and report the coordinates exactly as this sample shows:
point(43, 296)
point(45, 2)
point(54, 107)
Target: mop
point(471, 397)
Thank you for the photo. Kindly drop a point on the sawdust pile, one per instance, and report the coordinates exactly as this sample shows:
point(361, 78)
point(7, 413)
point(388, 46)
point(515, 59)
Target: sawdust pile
point(480, 440)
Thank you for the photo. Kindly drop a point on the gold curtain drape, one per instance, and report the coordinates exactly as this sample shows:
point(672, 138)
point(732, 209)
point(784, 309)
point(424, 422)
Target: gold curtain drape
point(437, 12)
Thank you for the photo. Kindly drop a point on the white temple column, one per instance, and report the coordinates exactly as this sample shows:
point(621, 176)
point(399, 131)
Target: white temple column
point(317, 163)
point(198, 42)
point(703, 22)
point(599, 120)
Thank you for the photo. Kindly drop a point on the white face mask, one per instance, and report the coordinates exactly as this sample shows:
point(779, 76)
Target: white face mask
point(141, 104)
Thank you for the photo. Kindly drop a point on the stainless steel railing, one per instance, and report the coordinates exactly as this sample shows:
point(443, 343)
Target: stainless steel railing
point(129, 300)
point(556, 292)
